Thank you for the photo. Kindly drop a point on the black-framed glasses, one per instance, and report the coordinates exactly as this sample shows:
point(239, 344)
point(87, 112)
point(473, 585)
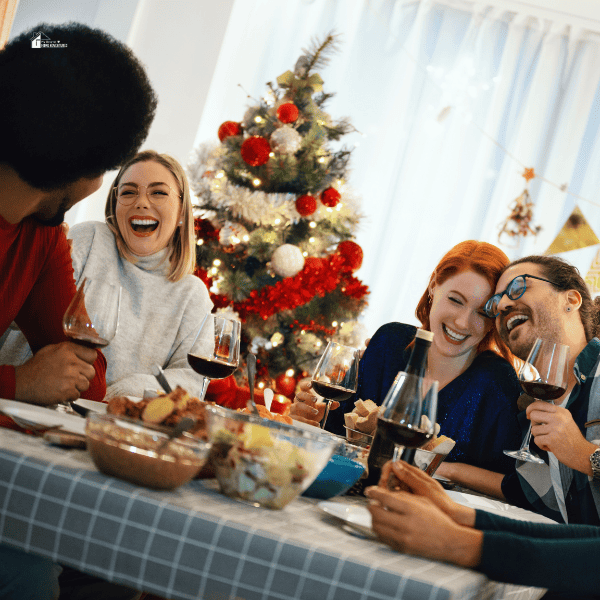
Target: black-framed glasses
point(157, 193)
point(514, 290)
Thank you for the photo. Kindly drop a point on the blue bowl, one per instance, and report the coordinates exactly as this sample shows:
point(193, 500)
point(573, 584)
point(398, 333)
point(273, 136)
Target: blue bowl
point(338, 476)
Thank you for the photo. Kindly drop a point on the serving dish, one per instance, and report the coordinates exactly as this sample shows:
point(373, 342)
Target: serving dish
point(131, 450)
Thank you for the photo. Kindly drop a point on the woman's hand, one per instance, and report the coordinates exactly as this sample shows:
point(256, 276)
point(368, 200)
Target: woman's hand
point(402, 476)
point(307, 406)
point(415, 525)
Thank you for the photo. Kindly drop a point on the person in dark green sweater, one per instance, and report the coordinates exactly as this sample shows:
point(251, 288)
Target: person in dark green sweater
point(417, 517)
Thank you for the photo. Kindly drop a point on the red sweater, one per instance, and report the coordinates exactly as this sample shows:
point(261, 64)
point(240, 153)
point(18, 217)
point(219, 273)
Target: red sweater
point(36, 287)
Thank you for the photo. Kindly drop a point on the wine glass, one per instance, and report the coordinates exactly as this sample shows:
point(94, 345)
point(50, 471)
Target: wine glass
point(544, 376)
point(215, 353)
point(92, 318)
point(408, 418)
point(336, 374)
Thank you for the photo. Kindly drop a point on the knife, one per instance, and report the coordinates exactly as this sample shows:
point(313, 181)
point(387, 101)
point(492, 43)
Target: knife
point(160, 376)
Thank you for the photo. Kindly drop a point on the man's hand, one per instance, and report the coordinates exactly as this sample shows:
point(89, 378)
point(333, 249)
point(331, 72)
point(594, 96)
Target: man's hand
point(554, 430)
point(56, 373)
point(307, 406)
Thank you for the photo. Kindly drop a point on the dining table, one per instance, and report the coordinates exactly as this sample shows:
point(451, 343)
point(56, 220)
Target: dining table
point(194, 542)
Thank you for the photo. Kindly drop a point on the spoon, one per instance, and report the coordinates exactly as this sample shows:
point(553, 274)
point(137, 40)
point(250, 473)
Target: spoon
point(181, 427)
point(251, 361)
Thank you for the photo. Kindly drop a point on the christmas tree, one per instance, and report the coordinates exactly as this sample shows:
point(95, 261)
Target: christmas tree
point(275, 225)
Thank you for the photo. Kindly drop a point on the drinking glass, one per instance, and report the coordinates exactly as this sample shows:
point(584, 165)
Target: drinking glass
point(408, 420)
point(544, 376)
point(92, 318)
point(215, 353)
point(336, 374)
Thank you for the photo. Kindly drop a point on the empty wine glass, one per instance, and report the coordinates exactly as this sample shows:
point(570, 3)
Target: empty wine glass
point(544, 376)
point(92, 317)
point(336, 374)
point(215, 353)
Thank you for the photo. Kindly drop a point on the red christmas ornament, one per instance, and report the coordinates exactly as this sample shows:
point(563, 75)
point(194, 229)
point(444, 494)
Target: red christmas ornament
point(352, 254)
point(255, 151)
point(287, 113)
point(330, 197)
point(229, 128)
point(306, 205)
point(285, 385)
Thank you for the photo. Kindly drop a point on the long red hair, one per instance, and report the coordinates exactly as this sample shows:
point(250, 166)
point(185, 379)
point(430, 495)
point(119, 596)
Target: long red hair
point(481, 258)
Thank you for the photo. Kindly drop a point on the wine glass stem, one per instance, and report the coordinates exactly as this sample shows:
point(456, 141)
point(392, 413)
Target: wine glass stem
point(327, 404)
point(205, 383)
point(526, 440)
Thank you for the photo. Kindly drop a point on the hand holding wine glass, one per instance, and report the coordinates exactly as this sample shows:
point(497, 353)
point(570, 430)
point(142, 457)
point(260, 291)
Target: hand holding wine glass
point(544, 376)
point(215, 353)
point(336, 374)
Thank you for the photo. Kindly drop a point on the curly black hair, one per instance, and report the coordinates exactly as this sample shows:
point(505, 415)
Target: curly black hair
point(71, 112)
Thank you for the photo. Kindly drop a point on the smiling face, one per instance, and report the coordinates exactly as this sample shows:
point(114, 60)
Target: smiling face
point(147, 227)
point(456, 318)
point(537, 313)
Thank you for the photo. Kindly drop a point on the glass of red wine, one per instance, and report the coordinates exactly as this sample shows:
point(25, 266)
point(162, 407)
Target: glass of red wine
point(408, 415)
point(544, 376)
point(215, 353)
point(92, 318)
point(336, 374)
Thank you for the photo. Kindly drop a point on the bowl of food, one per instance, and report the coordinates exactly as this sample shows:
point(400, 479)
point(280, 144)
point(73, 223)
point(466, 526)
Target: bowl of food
point(139, 452)
point(267, 463)
point(338, 476)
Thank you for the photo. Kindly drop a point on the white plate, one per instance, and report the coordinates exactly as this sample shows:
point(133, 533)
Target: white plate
point(497, 507)
point(43, 416)
point(359, 518)
point(353, 515)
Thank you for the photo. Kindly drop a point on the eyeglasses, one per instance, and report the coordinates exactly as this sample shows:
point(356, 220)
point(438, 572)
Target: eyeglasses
point(157, 194)
point(515, 289)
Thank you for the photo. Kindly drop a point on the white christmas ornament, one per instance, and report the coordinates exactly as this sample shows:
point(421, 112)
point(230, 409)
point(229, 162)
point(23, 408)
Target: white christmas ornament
point(286, 140)
point(287, 260)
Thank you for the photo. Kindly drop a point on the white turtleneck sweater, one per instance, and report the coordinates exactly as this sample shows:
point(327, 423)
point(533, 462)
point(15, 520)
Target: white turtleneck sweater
point(158, 320)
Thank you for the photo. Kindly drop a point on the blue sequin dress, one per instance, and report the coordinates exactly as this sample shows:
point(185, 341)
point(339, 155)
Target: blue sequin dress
point(478, 409)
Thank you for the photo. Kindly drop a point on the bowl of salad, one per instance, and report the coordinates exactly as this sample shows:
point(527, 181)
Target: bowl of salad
point(263, 462)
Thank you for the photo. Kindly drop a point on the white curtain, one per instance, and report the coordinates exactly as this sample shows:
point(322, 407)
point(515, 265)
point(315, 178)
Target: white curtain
point(452, 99)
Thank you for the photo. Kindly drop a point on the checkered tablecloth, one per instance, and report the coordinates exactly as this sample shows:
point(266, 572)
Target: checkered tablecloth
point(196, 543)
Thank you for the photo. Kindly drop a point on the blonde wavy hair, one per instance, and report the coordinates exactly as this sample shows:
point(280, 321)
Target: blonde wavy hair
point(182, 257)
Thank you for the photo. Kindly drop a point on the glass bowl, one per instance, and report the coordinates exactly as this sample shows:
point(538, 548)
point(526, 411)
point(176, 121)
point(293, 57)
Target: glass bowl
point(266, 463)
point(338, 476)
point(358, 438)
point(127, 449)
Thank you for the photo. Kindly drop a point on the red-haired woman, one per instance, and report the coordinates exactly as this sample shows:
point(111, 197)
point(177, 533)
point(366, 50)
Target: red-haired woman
point(478, 385)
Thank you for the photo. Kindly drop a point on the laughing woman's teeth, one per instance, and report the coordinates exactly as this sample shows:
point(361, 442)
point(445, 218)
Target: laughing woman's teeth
point(144, 224)
point(457, 337)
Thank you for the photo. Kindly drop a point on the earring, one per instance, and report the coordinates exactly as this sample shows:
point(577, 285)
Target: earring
point(568, 309)
point(180, 222)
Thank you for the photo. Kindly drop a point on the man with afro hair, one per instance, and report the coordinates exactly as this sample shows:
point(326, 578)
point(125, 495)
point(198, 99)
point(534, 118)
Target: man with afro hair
point(69, 111)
